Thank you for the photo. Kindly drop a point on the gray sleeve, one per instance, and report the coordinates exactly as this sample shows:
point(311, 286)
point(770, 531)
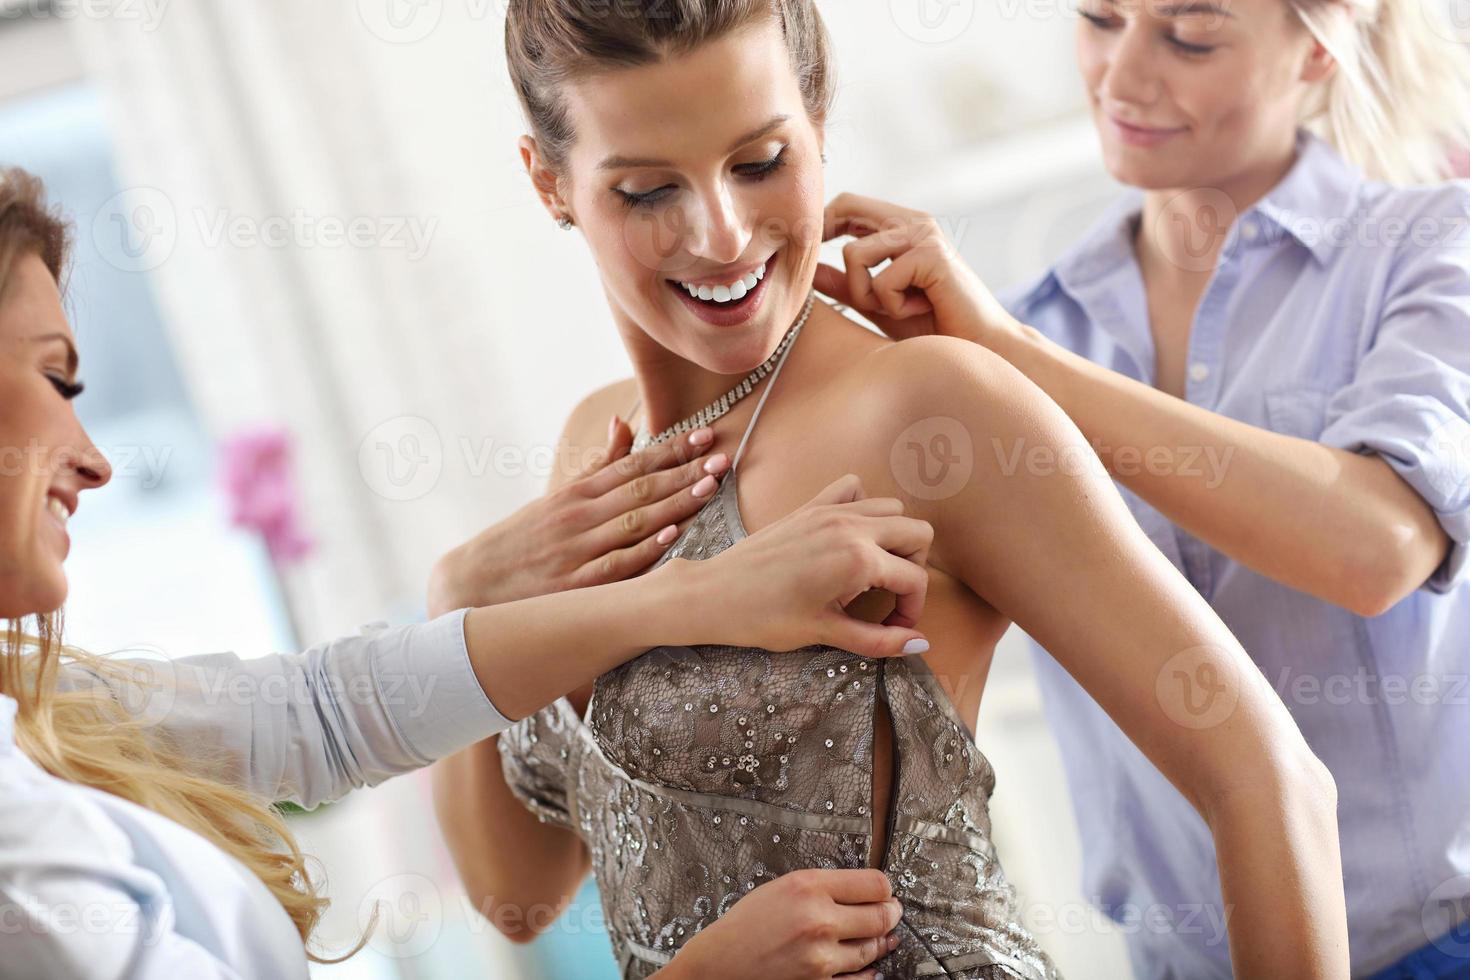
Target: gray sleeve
point(309, 727)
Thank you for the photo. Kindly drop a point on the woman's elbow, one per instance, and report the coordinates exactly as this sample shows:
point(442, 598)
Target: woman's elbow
point(1292, 779)
point(1389, 568)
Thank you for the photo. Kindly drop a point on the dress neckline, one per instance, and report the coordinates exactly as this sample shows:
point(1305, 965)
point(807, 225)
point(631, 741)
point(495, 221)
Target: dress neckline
point(725, 496)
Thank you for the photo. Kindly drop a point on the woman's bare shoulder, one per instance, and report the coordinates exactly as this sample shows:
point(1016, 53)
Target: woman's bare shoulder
point(586, 426)
point(924, 379)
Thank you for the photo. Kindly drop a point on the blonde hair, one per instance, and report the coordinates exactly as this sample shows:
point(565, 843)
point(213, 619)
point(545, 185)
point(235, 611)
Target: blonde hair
point(1398, 104)
point(85, 736)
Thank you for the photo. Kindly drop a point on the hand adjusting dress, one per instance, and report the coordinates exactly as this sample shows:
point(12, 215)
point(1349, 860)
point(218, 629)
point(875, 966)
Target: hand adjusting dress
point(702, 772)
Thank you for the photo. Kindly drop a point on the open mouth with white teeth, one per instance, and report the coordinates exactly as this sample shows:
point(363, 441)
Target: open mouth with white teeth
point(729, 293)
point(726, 303)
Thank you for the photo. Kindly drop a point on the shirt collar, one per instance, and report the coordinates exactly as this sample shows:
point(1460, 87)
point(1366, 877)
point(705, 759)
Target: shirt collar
point(1321, 187)
point(1104, 248)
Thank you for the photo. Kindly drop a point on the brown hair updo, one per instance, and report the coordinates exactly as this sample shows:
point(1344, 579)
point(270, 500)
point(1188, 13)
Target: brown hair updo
point(548, 42)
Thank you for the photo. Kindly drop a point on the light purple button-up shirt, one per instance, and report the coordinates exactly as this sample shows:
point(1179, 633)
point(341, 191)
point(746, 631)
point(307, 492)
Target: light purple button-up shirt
point(1339, 313)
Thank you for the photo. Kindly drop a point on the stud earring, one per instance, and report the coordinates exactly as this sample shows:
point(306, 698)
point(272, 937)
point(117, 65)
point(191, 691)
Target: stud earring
point(564, 223)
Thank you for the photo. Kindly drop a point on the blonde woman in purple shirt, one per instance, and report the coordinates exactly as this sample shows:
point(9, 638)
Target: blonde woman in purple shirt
point(1268, 344)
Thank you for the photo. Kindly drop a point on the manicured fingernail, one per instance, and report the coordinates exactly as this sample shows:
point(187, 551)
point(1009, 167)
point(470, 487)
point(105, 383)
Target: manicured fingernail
point(612, 427)
point(705, 487)
point(716, 463)
point(916, 645)
point(701, 436)
point(667, 535)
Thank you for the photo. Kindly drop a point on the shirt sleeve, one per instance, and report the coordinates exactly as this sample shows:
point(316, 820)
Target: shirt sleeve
point(1410, 399)
point(72, 902)
point(309, 727)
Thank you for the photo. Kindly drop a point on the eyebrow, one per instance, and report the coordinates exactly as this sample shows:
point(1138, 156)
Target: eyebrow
point(71, 349)
point(620, 163)
point(1184, 9)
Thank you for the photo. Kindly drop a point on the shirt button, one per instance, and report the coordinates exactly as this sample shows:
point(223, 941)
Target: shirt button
point(1199, 372)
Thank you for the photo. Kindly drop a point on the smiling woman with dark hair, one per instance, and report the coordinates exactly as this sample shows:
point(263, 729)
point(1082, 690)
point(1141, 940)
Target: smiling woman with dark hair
point(684, 139)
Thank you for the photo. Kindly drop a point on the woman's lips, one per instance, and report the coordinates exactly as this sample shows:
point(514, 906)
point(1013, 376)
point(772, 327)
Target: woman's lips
point(60, 527)
point(1146, 136)
point(730, 314)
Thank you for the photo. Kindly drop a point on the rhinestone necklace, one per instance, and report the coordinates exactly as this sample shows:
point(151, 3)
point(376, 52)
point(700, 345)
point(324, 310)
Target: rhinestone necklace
point(727, 401)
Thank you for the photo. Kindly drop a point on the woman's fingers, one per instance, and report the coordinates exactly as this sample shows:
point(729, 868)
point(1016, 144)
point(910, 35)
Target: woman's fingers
point(901, 289)
point(870, 920)
point(617, 472)
point(866, 933)
point(854, 214)
point(852, 886)
point(859, 954)
point(625, 563)
point(904, 571)
point(843, 490)
point(651, 502)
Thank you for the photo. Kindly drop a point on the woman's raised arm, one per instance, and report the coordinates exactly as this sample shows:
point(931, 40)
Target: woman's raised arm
point(1037, 529)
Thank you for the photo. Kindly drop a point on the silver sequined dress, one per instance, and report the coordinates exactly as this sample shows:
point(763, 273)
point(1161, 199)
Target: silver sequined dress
point(701, 772)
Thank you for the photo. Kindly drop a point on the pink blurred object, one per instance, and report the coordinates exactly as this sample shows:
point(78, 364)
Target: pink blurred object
point(257, 476)
point(1460, 161)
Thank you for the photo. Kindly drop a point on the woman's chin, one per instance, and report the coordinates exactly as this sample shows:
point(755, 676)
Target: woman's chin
point(51, 593)
point(42, 602)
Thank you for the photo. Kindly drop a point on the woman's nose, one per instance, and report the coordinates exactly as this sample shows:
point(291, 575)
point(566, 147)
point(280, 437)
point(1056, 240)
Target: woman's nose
point(90, 465)
point(720, 234)
point(1131, 76)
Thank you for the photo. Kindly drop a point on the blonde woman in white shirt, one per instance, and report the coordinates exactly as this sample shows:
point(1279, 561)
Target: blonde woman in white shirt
point(136, 834)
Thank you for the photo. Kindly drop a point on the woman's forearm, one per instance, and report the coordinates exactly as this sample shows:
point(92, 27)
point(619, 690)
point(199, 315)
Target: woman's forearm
point(1281, 876)
point(518, 872)
point(528, 653)
point(1338, 525)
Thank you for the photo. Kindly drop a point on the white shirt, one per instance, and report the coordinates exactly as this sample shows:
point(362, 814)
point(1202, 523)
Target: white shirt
point(94, 886)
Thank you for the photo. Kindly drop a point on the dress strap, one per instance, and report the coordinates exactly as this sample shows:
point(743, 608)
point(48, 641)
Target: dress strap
point(760, 405)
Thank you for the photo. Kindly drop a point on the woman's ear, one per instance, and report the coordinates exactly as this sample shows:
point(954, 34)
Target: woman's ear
point(543, 178)
point(1319, 65)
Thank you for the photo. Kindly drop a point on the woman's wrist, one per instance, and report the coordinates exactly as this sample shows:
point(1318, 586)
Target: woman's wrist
point(660, 602)
point(529, 652)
